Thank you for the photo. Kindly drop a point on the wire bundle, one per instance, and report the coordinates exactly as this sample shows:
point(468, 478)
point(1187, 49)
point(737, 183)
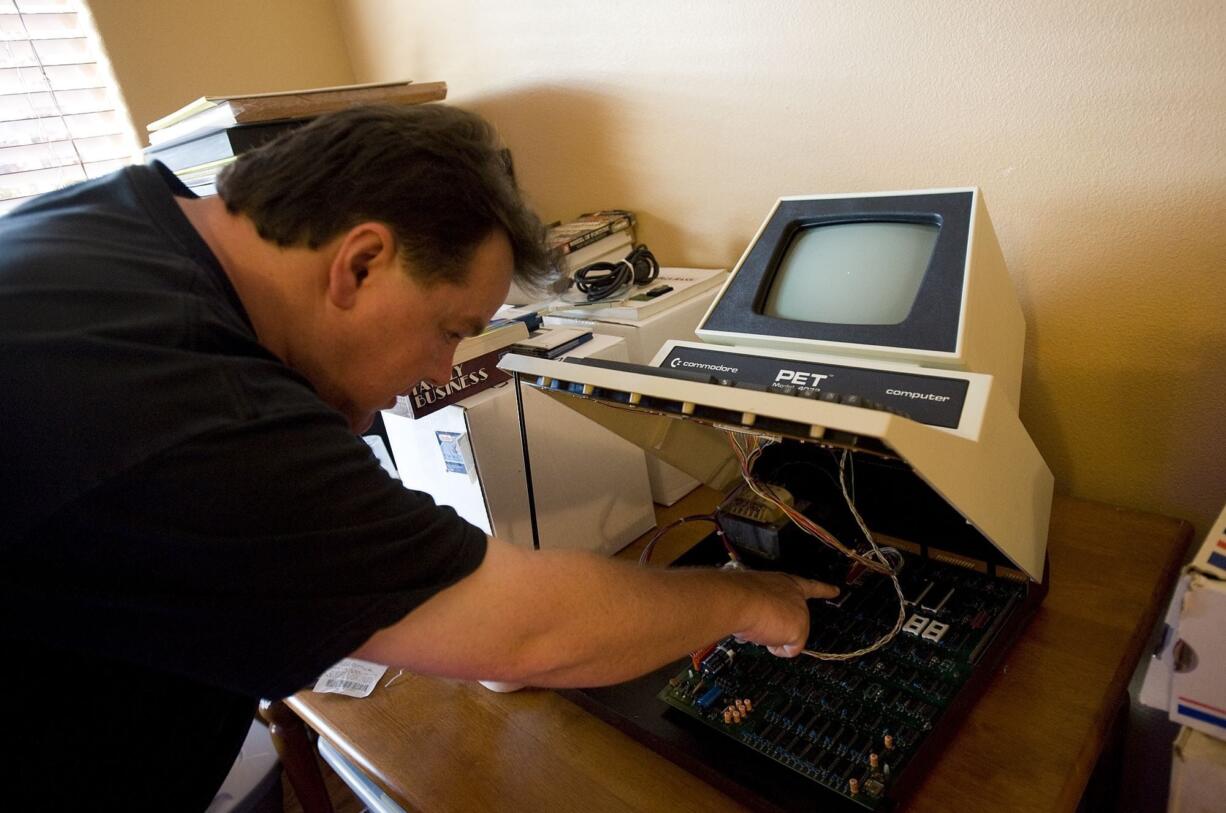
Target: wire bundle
point(599, 281)
point(748, 448)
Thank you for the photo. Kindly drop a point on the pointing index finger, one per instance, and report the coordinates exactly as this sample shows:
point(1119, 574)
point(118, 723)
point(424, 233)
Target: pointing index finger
point(816, 589)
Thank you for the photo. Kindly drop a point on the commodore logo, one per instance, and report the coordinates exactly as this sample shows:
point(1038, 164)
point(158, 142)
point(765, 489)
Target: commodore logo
point(800, 379)
point(701, 365)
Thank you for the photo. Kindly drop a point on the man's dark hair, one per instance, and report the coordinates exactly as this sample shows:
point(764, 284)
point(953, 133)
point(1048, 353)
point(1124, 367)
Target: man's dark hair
point(436, 175)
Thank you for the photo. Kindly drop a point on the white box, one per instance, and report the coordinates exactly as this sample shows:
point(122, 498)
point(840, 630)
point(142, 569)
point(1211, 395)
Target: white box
point(1198, 773)
point(590, 486)
point(647, 335)
point(643, 339)
point(1187, 676)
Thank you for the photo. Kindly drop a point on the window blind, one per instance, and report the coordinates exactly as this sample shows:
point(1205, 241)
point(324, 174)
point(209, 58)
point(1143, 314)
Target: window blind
point(62, 119)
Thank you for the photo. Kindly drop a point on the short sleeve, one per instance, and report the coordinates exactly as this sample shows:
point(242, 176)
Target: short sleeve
point(249, 558)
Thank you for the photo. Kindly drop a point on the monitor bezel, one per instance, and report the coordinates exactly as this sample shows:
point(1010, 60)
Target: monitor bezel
point(934, 322)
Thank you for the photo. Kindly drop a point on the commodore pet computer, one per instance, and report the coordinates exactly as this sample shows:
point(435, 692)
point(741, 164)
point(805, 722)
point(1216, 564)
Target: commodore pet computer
point(854, 399)
point(916, 277)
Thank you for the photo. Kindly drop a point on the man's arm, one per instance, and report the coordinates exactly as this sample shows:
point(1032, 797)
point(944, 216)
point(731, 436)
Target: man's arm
point(567, 618)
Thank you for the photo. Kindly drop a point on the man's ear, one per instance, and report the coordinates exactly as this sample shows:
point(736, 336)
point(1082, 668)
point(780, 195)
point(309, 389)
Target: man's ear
point(365, 249)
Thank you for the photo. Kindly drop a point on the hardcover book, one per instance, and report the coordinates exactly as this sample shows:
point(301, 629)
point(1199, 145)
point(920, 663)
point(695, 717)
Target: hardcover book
point(467, 378)
point(215, 145)
point(587, 228)
point(550, 343)
point(212, 112)
point(611, 248)
point(499, 334)
point(475, 368)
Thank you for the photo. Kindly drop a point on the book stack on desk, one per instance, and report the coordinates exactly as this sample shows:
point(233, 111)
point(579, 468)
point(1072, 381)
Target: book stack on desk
point(603, 236)
point(592, 237)
point(199, 139)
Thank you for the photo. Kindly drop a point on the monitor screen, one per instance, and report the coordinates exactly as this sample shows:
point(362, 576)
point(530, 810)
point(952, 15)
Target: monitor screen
point(865, 273)
point(917, 277)
point(877, 272)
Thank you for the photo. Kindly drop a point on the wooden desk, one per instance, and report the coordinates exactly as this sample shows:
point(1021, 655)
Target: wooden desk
point(1030, 743)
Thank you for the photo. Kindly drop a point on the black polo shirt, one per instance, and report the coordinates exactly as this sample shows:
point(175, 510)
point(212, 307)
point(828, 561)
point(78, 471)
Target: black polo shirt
point(186, 526)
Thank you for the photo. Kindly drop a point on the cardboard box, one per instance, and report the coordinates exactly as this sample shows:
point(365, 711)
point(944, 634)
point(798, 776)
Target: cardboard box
point(1187, 676)
point(1198, 774)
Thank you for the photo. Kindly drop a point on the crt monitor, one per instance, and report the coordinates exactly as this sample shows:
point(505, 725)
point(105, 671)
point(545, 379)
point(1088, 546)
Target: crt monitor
point(915, 277)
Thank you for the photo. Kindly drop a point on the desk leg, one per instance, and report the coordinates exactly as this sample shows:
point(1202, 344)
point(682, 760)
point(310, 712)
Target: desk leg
point(289, 737)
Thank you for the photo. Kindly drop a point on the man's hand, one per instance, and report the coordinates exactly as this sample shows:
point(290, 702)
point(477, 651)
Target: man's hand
point(783, 623)
point(570, 618)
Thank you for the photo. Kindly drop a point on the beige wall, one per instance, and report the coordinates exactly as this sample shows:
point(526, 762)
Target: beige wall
point(166, 53)
point(1096, 129)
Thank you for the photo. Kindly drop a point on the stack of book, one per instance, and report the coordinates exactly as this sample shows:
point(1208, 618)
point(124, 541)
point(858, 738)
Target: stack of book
point(603, 236)
point(201, 137)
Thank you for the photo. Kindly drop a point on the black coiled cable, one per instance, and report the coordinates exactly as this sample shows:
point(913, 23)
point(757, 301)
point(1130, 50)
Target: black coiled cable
point(602, 280)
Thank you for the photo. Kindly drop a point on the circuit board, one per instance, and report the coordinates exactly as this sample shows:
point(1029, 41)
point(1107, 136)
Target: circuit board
point(852, 727)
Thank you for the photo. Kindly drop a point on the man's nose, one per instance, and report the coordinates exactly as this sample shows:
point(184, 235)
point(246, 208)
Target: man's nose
point(440, 373)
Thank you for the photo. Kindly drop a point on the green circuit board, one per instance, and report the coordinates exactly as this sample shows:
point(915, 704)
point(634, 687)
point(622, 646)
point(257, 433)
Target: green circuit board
point(852, 726)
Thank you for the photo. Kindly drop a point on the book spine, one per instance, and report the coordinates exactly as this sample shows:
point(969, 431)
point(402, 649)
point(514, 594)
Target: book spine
point(495, 337)
point(218, 144)
point(612, 248)
point(200, 150)
point(467, 378)
point(254, 109)
point(598, 232)
point(397, 92)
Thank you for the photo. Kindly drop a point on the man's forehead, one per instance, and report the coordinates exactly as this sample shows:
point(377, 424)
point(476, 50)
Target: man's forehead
point(459, 309)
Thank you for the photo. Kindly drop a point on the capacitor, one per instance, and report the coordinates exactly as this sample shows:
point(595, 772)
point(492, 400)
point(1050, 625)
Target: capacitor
point(718, 660)
point(873, 761)
point(708, 699)
point(727, 716)
point(889, 742)
point(853, 786)
point(696, 657)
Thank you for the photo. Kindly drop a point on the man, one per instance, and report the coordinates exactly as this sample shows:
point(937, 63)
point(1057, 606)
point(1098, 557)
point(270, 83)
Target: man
point(190, 522)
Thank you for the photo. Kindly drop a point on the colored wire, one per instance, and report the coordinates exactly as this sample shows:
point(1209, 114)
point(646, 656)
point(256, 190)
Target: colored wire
point(902, 601)
point(748, 455)
point(645, 556)
point(748, 448)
